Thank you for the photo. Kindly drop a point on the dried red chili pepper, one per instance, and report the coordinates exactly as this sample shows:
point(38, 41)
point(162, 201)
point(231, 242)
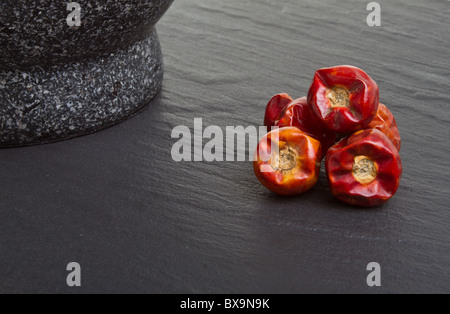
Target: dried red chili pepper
point(364, 169)
point(345, 98)
point(385, 122)
point(274, 108)
point(299, 115)
point(291, 169)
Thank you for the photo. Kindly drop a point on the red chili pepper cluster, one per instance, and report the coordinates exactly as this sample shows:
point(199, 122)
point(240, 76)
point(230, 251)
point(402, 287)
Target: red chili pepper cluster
point(342, 120)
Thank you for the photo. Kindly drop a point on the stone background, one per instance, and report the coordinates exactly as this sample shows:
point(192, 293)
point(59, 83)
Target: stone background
point(136, 221)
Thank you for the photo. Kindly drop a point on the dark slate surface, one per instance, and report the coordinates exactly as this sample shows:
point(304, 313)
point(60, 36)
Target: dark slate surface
point(136, 221)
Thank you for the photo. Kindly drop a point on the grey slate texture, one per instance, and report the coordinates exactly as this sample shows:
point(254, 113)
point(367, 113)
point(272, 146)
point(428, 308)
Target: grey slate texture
point(136, 221)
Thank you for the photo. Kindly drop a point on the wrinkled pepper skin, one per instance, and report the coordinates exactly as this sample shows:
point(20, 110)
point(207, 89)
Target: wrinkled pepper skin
point(293, 168)
point(275, 107)
point(364, 169)
point(299, 115)
point(345, 98)
point(385, 122)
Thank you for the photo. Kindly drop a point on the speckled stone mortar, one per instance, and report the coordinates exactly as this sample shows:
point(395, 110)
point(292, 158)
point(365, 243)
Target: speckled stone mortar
point(58, 82)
